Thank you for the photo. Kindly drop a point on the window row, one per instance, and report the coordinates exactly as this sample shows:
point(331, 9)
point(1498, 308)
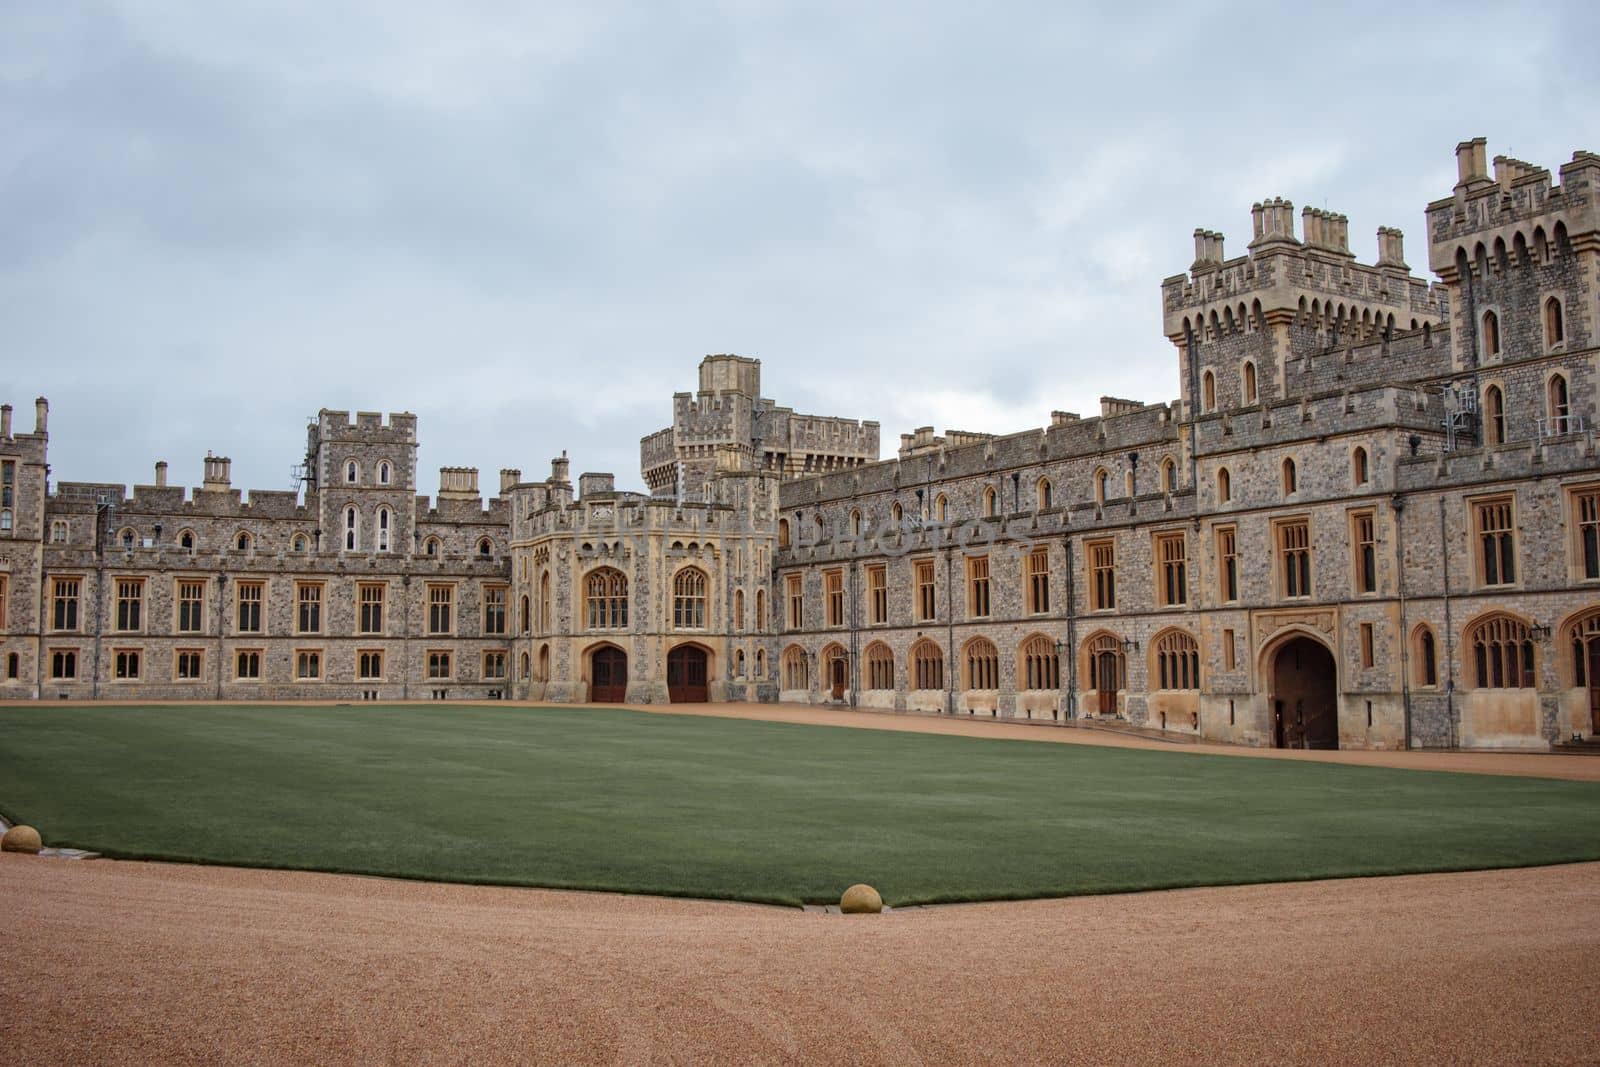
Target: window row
point(189, 606)
point(305, 665)
point(358, 534)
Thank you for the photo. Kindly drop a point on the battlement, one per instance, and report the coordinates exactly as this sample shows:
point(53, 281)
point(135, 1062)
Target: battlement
point(367, 425)
point(458, 483)
point(1518, 212)
point(1282, 273)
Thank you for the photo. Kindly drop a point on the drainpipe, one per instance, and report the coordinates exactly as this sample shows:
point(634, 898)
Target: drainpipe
point(1398, 502)
point(852, 614)
point(1449, 635)
point(222, 586)
point(405, 635)
point(949, 630)
point(1072, 637)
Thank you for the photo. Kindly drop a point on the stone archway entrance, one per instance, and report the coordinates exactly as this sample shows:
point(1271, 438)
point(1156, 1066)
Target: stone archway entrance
point(687, 670)
point(608, 675)
point(1305, 695)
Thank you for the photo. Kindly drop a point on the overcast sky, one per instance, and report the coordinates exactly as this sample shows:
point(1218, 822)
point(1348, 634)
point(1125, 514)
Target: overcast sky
point(528, 223)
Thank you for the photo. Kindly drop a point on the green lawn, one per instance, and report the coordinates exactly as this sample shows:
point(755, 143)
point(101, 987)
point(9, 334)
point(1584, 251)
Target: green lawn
point(610, 799)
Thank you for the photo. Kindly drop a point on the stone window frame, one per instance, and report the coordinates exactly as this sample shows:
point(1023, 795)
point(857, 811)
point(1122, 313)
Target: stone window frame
point(439, 665)
point(1226, 537)
point(128, 591)
point(179, 600)
point(1289, 476)
point(1169, 475)
point(196, 665)
point(260, 655)
point(494, 656)
point(1358, 575)
point(127, 664)
point(1489, 641)
point(1282, 564)
point(1100, 558)
point(366, 658)
point(1249, 382)
point(925, 667)
point(925, 583)
point(63, 663)
point(878, 658)
point(352, 471)
point(1208, 391)
point(1487, 315)
point(794, 598)
point(302, 587)
point(1224, 485)
point(1478, 508)
point(259, 585)
point(1036, 572)
point(1552, 419)
point(941, 508)
point(833, 605)
point(1174, 657)
point(1170, 569)
point(1043, 494)
point(60, 532)
point(1563, 321)
point(379, 602)
point(494, 615)
point(187, 540)
point(1583, 514)
point(1360, 466)
point(980, 665)
point(1367, 641)
point(73, 603)
point(877, 594)
point(794, 666)
point(441, 600)
point(1420, 661)
point(1499, 437)
point(1038, 661)
point(5, 589)
point(980, 587)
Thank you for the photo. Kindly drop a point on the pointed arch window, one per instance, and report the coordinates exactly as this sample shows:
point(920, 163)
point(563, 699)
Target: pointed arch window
point(383, 474)
point(794, 665)
point(1169, 475)
point(941, 508)
point(880, 666)
point(1224, 485)
point(1209, 388)
point(1494, 416)
point(982, 664)
point(990, 508)
point(606, 596)
point(383, 529)
point(927, 666)
point(1491, 334)
point(1358, 466)
point(1177, 658)
point(352, 472)
point(689, 599)
point(1502, 653)
point(1040, 667)
point(1560, 406)
point(1045, 494)
point(1291, 480)
point(1425, 658)
point(1249, 377)
point(351, 530)
point(1555, 327)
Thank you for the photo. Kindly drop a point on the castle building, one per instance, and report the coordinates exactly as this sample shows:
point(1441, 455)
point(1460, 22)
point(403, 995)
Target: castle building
point(1370, 519)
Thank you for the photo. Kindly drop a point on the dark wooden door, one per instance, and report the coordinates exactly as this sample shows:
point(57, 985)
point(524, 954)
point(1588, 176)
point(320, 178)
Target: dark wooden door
point(1106, 681)
point(838, 678)
point(1592, 675)
point(608, 674)
point(686, 675)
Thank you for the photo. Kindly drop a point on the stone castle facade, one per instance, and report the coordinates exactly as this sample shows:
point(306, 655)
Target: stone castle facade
point(1371, 519)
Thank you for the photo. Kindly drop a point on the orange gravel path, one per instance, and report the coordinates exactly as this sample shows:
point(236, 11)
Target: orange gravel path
point(113, 962)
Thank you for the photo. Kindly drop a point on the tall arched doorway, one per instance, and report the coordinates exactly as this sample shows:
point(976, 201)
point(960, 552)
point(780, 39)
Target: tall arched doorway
point(835, 671)
point(1305, 695)
point(608, 675)
point(686, 675)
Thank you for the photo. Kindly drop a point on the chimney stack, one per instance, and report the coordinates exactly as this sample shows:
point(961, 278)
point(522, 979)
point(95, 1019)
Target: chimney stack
point(219, 477)
point(41, 415)
point(560, 468)
point(5, 420)
point(1472, 162)
point(161, 474)
point(508, 478)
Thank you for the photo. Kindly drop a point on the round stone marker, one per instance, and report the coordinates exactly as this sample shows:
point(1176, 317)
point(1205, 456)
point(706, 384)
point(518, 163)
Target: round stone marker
point(21, 839)
point(861, 900)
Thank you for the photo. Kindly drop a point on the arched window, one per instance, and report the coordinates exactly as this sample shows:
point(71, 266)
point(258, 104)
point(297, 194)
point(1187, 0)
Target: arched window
point(299, 544)
point(1039, 668)
point(544, 663)
point(1100, 480)
point(855, 522)
point(1491, 334)
point(1583, 638)
point(880, 666)
point(525, 667)
point(1044, 494)
point(1494, 416)
point(1169, 472)
point(1249, 377)
point(1224, 485)
point(186, 540)
point(127, 537)
point(738, 663)
point(1358, 466)
point(941, 508)
point(351, 530)
point(894, 512)
point(485, 547)
point(1555, 329)
point(795, 672)
point(1502, 653)
point(242, 542)
point(1424, 658)
point(430, 547)
point(605, 594)
point(761, 663)
point(738, 611)
point(783, 533)
point(547, 602)
point(1209, 388)
point(383, 529)
point(990, 509)
point(1177, 659)
point(1290, 478)
point(527, 614)
point(1560, 409)
point(761, 611)
point(981, 664)
point(352, 472)
point(689, 599)
point(927, 666)
point(383, 477)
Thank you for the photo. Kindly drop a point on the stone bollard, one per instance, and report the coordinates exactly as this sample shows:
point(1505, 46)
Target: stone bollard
point(861, 900)
point(21, 839)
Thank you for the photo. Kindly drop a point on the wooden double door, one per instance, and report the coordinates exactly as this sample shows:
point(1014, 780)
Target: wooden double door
point(608, 675)
point(687, 675)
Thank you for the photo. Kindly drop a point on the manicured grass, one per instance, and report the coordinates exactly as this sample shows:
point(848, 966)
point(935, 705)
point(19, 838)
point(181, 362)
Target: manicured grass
point(619, 800)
